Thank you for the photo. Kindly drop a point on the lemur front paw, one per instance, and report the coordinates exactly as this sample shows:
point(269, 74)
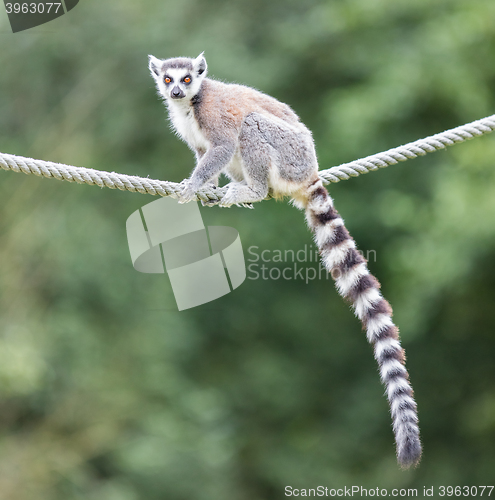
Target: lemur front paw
point(187, 191)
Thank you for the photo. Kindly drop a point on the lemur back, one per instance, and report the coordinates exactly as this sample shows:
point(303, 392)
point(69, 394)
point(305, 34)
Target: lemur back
point(261, 145)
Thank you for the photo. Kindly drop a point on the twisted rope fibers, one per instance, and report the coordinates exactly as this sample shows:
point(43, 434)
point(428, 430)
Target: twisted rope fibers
point(114, 180)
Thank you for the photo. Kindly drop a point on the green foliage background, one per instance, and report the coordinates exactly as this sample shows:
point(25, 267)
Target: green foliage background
point(106, 392)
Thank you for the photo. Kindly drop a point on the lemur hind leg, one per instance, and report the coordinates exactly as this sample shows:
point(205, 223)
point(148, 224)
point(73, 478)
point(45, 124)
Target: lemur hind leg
point(276, 154)
point(256, 163)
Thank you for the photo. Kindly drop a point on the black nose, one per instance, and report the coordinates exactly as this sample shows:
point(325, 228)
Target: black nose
point(177, 92)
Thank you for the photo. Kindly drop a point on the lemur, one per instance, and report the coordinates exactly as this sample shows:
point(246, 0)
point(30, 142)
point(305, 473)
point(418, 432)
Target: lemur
point(261, 145)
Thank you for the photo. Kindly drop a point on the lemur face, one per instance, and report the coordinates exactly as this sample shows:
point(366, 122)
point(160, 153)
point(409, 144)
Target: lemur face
point(179, 78)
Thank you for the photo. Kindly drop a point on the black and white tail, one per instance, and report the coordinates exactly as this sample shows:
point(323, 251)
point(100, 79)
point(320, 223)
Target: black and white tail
point(355, 283)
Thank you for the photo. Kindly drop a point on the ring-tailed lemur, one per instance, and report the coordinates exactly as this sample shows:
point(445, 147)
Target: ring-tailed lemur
point(261, 144)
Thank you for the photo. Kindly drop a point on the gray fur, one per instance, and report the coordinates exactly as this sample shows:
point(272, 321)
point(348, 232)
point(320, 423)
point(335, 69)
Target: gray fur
point(179, 62)
point(294, 150)
point(212, 163)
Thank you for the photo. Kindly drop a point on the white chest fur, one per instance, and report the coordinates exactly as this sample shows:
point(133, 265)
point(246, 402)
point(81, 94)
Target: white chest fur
point(184, 122)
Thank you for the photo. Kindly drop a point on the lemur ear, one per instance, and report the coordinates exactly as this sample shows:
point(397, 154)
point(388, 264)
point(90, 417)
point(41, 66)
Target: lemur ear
point(154, 65)
point(199, 64)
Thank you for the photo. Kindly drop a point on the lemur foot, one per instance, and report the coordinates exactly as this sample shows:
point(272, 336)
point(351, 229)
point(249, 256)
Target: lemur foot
point(230, 198)
point(240, 195)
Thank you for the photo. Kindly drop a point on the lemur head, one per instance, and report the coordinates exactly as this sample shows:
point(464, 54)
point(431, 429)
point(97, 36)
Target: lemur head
point(179, 78)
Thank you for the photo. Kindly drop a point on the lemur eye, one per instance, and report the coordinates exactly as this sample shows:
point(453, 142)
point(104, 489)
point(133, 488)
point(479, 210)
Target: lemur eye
point(187, 79)
point(168, 79)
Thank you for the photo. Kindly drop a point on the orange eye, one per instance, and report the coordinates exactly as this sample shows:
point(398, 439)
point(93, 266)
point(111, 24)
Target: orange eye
point(187, 79)
point(167, 80)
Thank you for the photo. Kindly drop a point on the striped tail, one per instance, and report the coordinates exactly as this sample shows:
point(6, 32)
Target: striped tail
point(355, 283)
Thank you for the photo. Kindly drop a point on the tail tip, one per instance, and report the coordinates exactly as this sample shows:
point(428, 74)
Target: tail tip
point(410, 454)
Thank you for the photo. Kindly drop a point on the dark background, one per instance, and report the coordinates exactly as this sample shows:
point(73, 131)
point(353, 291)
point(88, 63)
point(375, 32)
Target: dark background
point(106, 392)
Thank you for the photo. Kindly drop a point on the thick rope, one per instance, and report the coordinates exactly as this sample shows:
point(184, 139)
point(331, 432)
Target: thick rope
point(408, 151)
point(114, 180)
